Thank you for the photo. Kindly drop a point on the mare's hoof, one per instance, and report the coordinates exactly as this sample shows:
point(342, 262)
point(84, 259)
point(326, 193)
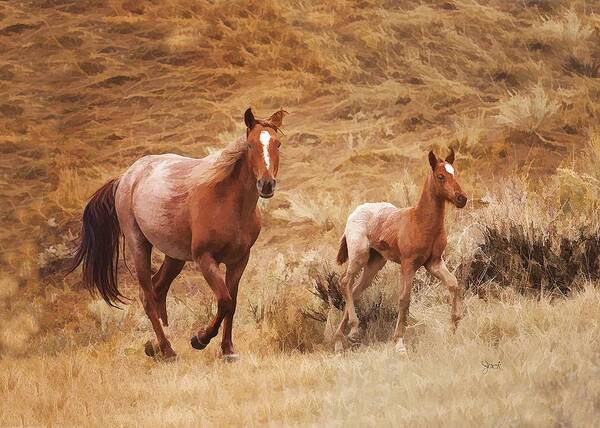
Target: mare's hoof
point(196, 344)
point(231, 358)
point(152, 349)
point(149, 349)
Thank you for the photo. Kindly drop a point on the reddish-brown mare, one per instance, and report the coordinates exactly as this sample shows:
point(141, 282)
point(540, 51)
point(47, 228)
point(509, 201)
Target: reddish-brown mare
point(202, 210)
point(413, 237)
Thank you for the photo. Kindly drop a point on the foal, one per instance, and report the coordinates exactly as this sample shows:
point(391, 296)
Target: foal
point(413, 237)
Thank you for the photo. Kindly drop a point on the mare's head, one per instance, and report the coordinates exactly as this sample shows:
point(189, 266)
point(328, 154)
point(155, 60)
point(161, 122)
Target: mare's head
point(444, 179)
point(263, 150)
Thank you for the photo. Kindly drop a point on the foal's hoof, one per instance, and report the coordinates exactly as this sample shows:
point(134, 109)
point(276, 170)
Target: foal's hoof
point(400, 348)
point(231, 358)
point(196, 344)
point(402, 353)
point(354, 339)
point(339, 347)
point(455, 320)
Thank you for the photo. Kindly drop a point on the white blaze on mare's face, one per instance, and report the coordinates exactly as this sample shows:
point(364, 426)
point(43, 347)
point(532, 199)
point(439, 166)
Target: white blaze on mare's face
point(449, 168)
point(265, 139)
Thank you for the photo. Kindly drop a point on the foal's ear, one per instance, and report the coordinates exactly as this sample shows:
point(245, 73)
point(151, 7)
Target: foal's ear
point(249, 118)
point(450, 157)
point(277, 117)
point(433, 160)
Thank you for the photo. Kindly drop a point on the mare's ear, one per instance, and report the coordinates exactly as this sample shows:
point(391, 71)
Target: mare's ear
point(277, 118)
point(433, 160)
point(249, 118)
point(450, 157)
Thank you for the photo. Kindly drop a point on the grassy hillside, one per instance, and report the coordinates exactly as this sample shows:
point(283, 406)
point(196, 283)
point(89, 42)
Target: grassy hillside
point(89, 87)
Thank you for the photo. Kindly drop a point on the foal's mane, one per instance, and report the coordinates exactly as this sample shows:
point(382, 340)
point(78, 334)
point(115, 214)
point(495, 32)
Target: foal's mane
point(228, 158)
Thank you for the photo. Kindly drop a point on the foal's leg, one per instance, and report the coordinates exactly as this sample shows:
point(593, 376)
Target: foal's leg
point(232, 280)
point(141, 250)
point(162, 281)
point(216, 281)
point(407, 273)
point(349, 311)
point(376, 263)
point(358, 258)
point(438, 269)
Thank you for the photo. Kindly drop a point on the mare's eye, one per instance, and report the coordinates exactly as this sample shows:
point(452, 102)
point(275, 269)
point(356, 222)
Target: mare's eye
point(441, 177)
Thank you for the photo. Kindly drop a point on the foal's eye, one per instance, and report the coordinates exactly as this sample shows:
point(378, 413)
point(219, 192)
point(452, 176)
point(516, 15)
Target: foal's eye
point(249, 146)
point(278, 144)
point(441, 177)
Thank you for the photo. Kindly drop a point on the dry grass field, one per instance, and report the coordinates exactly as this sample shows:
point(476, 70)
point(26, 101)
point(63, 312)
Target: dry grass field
point(90, 86)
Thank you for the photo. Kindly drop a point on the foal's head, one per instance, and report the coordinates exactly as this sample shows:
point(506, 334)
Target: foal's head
point(263, 150)
point(444, 179)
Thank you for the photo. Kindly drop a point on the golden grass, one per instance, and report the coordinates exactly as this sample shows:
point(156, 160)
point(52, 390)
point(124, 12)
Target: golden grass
point(568, 29)
point(528, 112)
point(548, 354)
point(73, 187)
point(89, 87)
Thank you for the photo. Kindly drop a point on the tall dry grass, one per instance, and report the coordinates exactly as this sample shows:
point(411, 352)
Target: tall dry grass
point(89, 87)
point(568, 28)
point(529, 112)
point(547, 350)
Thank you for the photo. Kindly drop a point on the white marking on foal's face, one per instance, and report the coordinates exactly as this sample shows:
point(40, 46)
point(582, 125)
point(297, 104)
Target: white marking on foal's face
point(265, 139)
point(449, 168)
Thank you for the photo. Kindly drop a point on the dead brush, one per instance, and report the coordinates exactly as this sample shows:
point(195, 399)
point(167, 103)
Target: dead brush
point(583, 68)
point(534, 260)
point(369, 311)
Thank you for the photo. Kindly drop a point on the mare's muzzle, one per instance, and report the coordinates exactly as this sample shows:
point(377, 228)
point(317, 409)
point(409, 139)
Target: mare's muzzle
point(266, 188)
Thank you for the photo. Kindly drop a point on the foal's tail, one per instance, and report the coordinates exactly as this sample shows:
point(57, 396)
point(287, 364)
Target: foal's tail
point(342, 255)
point(98, 250)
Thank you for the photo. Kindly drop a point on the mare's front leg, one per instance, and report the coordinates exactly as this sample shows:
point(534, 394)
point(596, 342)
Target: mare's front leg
point(232, 280)
point(216, 281)
point(439, 270)
point(407, 273)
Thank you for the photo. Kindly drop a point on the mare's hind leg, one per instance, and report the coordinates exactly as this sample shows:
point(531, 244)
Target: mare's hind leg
point(161, 281)
point(376, 263)
point(141, 250)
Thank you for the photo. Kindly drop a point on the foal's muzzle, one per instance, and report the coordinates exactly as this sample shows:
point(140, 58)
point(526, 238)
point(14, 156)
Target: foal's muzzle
point(266, 188)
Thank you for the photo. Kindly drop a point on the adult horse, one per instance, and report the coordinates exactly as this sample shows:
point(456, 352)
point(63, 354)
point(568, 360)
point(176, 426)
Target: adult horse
point(202, 210)
point(413, 237)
